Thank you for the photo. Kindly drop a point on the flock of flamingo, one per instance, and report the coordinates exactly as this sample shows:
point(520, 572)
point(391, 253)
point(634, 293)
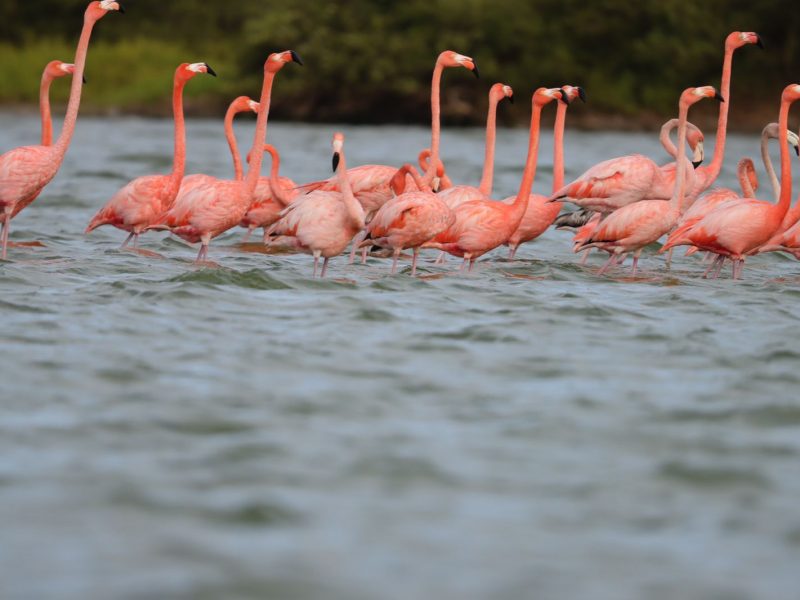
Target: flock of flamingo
point(627, 203)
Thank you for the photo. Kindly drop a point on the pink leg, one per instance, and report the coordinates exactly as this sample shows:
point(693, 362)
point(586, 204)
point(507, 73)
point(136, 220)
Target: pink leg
point(135, 240)
point(395, 256)
point(612, 260)
point(317, 254)
point(669, 258)
point(585, 258)
point(711, 266)
point(364, 254)
point(718, 270)
point(414, 262)
point(464, 264)
point(324, 268)
point(441, 259)
point(125, 243)
point(471, 264)
point(248, 234)
point(201, 256)
point(635, 264)
point(6, 226)
point(512, 252)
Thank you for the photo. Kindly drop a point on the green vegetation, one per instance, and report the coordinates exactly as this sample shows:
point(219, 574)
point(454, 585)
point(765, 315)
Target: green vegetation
point(370, 61)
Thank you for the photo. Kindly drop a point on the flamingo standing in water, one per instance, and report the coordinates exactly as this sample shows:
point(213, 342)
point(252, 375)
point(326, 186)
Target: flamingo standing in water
point(482, 225)
point(620, 181)
point(370, 183)
point(137, 205)
point(541, 213)
point(737, 229)
point(459, 194)
point(634, 226)
point(273, 194)
point(25, 171)
point(323, 223)
point(206, 211)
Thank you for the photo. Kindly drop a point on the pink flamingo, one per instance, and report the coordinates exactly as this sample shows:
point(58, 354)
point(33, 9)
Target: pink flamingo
point(53, 70)
point(737, 229)
point(459, 194)
point(272, 195)
point(323, 223)
point(408, 220)
point(137, 205)
point(370, 183)
point(206, 211)
point(239, 105)
point(482, 225)
point(620, 181)
point(632, 227)
point(25, 171)
point(541, 213)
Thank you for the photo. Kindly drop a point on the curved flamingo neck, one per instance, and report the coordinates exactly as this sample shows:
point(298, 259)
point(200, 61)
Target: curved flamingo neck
point(75, 90)
point(409, 169)
point(558, 147)
point(773, 177)
point(665, 139)
point(230, 135)
point(743, 173)
point(436, 86)
point(44, 109)
point(487, 179)
point(678, 192)
point(257, 151)
point(179, 158)
point(354, 208)
point(782, 207)
point(278, 193)
point(713, 169)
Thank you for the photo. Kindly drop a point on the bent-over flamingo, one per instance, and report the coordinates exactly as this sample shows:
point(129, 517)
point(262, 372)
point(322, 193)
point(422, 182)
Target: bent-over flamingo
point(272, 195)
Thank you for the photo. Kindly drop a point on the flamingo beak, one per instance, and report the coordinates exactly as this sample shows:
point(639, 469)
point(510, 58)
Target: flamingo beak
point(121, 8)
point(336, 159)
point(759, 42)
point(582, 94)
point(511, 99)
point(210, 71)
point(296, 58)
point(475, 70)
point(564, 96)
point(84, 80)
point(718, 97)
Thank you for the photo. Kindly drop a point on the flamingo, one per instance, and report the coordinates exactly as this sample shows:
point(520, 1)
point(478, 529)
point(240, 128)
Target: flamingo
point(738, 228)
point(370, 183)
point(620, 181)
point(272, 195)
point(137, 205)
point(632, 227)
point(25, 171)
point(206, 211)
point(456, 195)
point(53, 70)
point(444, 182)
point(323, 223)
point(239, 105)
point(482, 225)
point(540, 213)
point(408, 220)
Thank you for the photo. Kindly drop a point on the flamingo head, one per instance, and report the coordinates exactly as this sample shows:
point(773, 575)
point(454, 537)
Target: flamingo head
point(56, 69)
point(499, 91)
point(791, 93)
point(747, 169)
point(97, 10)
point(544, 96)
point(186, 71)
point(696, 141)
point(448, 59)
point(693, 95)
point(574, 92)
point(338, 144)
point(737, 39)
point(244, 104)
point(276, 60)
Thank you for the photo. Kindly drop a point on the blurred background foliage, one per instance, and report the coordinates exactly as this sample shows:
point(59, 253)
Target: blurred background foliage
point(369, 61)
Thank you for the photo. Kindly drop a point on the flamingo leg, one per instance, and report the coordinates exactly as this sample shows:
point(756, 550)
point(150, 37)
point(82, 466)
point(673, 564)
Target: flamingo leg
point(669, 258)
point(585, 258)
point(395, 256)
point(414, 262)
point(317, 254)
point(125, 243)
point(718, 270)
point(612, 260)
point(636, 262)
point(512, 252)
point(364, 254)
point(248, 234)
point(324, 268)
point(6, 225)
point(136, 240)
point(471, 264)
point(441, 259)
point(356, 244)
point(711, 266)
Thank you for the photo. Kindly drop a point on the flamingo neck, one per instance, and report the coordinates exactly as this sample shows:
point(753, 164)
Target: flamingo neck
point(773, 177)
point(75, 89)
point(745, 183)
point(278, 193)
point(408, 169)
point(44, 109)
point(517, 209)
point(665, 140)
point(487, 179)
point(354, 208)
point(712, 171)
point(558, 147)
point(179, 158)
point(230, 135)
point(678, 193)
point(436, 85)
point(782, 207)
point(260, 137)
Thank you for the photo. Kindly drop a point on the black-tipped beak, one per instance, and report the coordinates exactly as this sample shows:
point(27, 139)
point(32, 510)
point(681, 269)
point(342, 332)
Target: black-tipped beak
point(697, 163)
point(121, 8)
point(336, 159)
point(797, 150)
point(564, 96)
point(475, 70)
point(582, 94)
point(759, 42)
point(296, 57)
point(84, 80)
point(210, 71)
point(511, 99)
point(718, 97)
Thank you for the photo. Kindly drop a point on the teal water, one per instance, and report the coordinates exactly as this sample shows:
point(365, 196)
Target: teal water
point(530, 430)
